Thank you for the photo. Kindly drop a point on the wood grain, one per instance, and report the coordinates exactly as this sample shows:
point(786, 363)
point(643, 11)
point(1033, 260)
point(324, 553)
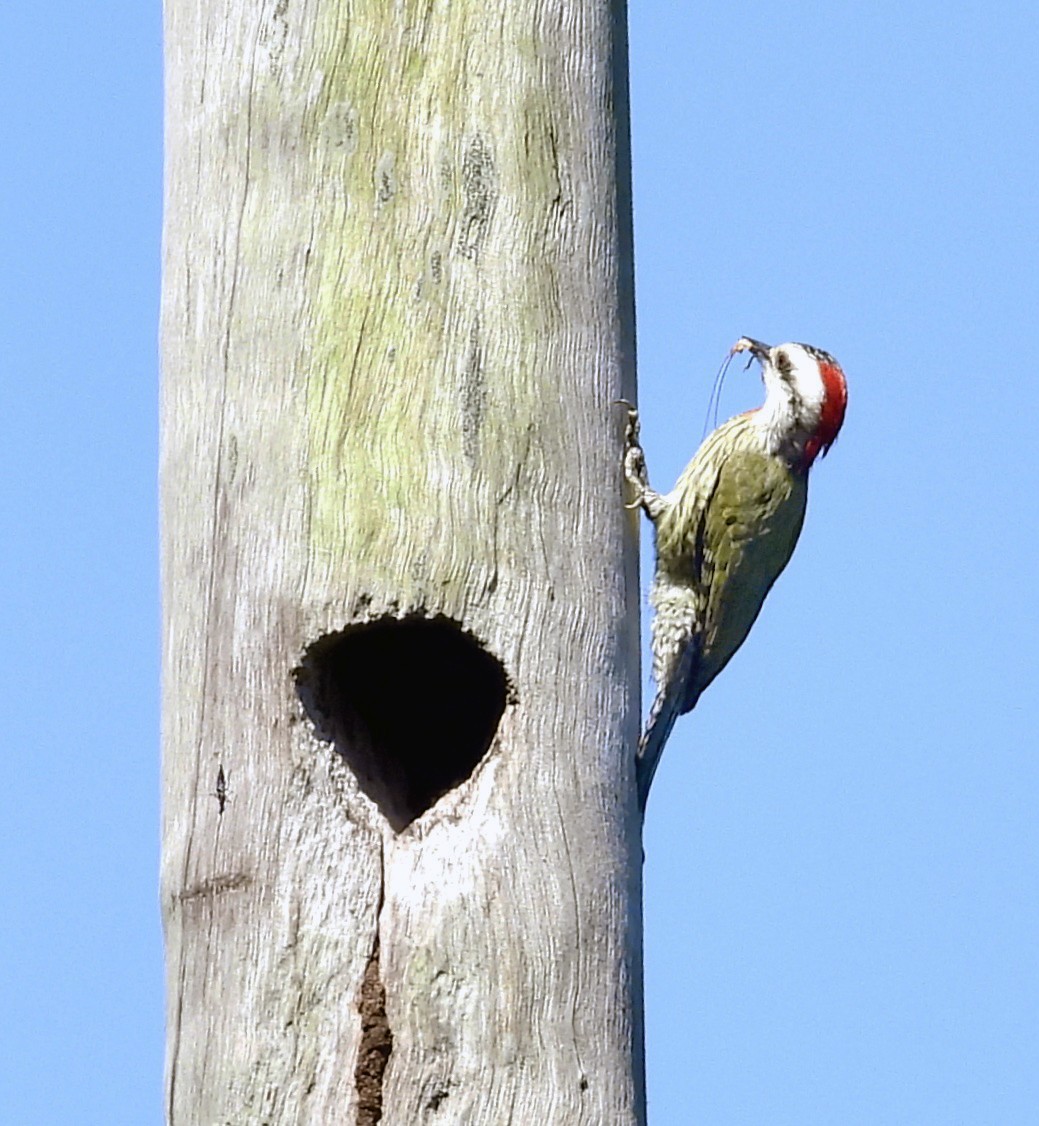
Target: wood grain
point(397, 309)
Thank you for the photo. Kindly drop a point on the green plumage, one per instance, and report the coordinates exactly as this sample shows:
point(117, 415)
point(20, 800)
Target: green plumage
point(724, 534)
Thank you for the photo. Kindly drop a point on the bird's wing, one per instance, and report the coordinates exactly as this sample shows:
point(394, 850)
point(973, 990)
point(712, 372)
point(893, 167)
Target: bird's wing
point(756, 511)
point(686, 554)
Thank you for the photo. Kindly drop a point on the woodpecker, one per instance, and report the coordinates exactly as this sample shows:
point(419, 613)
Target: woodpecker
point(729, 526)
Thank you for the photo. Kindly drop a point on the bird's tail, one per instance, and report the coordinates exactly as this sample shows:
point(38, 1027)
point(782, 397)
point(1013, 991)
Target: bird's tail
point(667, 707)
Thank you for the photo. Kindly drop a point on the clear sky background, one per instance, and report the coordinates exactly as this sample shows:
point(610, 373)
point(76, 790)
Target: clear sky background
point(842, 876)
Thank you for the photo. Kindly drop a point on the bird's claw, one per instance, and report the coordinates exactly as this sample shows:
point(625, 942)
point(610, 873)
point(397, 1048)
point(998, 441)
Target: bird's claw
point(631, 429)
point(634, 459)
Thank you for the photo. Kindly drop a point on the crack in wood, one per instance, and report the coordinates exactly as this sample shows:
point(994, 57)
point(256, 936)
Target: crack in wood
point(478, 175)
point(474, 395)
point(376, 1043)
point(213, 886)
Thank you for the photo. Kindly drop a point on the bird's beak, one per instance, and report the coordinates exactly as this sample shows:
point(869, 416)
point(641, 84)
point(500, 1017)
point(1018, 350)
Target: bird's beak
point(758, 350)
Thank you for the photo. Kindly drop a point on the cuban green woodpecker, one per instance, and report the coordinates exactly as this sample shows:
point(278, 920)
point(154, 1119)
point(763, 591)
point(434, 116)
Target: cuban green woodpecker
point(728, 528)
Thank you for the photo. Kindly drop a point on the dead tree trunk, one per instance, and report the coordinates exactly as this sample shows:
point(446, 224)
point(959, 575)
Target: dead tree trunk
point(401, 858)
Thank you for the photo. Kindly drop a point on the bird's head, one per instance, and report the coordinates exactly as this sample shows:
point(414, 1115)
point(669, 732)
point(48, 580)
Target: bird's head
point(805, 398)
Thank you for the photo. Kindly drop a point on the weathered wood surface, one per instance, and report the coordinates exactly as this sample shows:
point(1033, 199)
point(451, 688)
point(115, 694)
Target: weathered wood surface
point(397, 309)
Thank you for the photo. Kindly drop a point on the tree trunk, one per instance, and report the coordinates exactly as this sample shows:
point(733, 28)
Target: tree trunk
point(401, 853)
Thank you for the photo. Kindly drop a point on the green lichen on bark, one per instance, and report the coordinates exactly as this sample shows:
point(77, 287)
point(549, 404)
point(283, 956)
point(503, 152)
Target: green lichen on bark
point(437, 278)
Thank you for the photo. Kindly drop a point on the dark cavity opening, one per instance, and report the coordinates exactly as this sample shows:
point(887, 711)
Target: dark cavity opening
point(412, 705)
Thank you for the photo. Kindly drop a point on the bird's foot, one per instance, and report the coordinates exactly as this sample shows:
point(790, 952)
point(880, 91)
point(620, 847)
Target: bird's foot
point(635, 472)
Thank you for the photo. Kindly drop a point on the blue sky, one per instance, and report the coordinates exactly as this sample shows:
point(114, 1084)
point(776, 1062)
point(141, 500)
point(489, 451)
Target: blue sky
point(842, 880)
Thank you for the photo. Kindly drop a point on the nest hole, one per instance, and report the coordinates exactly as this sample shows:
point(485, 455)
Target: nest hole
point(411, 704)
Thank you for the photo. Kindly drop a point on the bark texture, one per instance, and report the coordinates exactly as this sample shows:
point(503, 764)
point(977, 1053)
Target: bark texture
point(397, 309)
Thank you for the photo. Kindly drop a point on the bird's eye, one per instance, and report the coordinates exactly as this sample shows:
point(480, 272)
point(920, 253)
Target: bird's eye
point(783, 363)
